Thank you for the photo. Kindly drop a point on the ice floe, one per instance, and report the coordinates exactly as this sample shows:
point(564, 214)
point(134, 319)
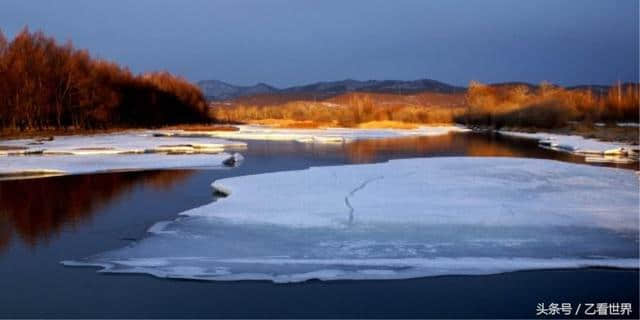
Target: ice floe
point(329, 135)
point(110, 152)
point(400, 219)
point(109, 144)
point(628, 124)
point(592, 149)
point(42, 166)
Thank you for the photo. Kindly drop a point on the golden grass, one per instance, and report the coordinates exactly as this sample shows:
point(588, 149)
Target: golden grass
point(548, 106)
point(291, 124)
point(200, 127)
point(388, 124)
point(544, 106)
point(310, 124)
point(349, 110)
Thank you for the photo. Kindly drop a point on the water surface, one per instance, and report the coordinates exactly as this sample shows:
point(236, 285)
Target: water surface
point(44, 221)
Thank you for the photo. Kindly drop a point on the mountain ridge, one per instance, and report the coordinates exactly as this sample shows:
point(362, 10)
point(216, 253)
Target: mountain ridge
point(220, 90)
point(217, 90)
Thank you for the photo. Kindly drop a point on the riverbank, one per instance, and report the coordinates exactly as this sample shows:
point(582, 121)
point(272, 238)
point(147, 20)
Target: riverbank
point(621, 133)
point(11, 134)
point(598, 144)
point(627, 133)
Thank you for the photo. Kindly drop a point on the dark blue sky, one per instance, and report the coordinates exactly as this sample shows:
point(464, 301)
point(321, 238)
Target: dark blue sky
point(293, 42)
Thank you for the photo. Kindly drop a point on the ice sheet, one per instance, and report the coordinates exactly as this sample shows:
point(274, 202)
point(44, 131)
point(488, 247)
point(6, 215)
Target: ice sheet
point(572, 143)
point(329, 135)
point(628, 124)
point(134, 150)
point(118, 143)
point(593, 149)
point(401, 219)
point(12, 167)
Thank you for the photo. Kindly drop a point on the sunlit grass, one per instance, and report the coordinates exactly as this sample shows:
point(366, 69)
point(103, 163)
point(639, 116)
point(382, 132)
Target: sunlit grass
point(548, 106)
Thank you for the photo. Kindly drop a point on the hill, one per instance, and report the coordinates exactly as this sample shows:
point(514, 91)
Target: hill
point(219, 90)
point(216, 90)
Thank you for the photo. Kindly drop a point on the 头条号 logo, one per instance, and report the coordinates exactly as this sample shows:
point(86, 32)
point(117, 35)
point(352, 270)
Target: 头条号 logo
point(585, 309)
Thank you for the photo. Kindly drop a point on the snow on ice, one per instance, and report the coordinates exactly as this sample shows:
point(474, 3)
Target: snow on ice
point(400, 219)
point(594, 150)
point(109, 152)
point(329, 135)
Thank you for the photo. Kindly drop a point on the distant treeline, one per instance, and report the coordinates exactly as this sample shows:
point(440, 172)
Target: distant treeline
point(347, 110)
point(496, 106)
point(548, 106)
point(46, 85)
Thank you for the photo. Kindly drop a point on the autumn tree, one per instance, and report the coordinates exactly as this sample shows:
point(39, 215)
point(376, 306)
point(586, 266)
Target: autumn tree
point(47, 85)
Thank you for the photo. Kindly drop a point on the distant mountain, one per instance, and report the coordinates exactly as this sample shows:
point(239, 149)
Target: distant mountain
point(527, 85)
point(218, 90)
point(389, 86)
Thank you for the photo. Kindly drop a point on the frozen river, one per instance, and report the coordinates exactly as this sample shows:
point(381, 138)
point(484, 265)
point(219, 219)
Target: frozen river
point(94, 216)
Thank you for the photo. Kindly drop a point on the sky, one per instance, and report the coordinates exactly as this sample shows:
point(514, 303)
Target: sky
point(292, 42)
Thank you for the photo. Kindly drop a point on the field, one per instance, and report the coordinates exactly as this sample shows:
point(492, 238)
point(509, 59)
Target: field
point(361, 109)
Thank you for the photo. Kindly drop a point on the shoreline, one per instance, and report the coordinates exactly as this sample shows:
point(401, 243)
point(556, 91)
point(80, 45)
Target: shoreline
point(620, 133)
point(615, 134)
point(105, 268)
point(32, 134)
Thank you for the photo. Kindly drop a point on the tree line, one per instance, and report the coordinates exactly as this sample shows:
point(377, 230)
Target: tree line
point(549, 106)
point(46, 85)
point(347, 110)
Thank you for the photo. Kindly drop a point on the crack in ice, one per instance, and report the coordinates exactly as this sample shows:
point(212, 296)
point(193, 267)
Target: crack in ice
point(425, 217)
point(353, 192)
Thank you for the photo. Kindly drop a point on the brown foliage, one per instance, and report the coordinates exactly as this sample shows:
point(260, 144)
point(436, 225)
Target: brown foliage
point(200, 127)
point(47, 85)
point(347, 110)
point(547, 106)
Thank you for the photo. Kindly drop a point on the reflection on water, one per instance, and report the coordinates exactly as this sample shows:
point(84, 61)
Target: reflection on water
point(37, 209)
point(458, 144)
point(451, 144)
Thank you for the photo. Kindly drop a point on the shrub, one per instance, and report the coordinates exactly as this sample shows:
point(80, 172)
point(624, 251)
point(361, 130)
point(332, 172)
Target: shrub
point(547, 106)
point(348, 110)
point(47, 85)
